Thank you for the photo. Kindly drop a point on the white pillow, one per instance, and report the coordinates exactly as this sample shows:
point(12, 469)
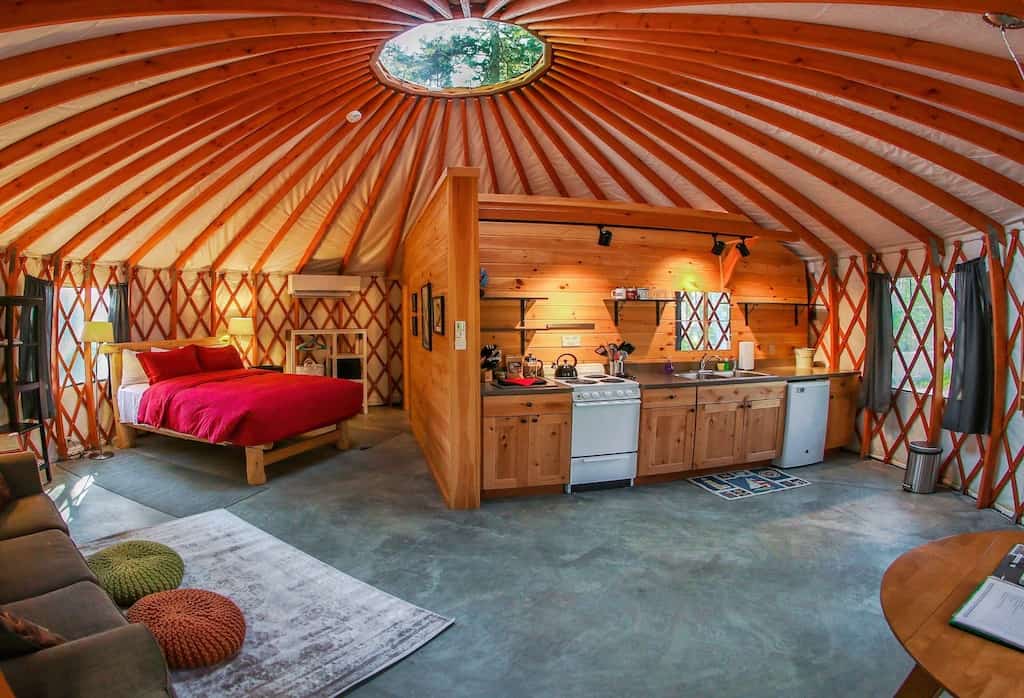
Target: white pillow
point(132, 372)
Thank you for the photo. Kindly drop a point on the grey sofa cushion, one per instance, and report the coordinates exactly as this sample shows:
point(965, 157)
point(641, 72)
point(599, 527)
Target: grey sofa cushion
point(39, 563)
point(22, 473)
point(30, 514)
point(125, 662)
point(76, 611)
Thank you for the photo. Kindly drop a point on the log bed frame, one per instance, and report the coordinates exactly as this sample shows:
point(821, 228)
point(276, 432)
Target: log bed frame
point(256, 457)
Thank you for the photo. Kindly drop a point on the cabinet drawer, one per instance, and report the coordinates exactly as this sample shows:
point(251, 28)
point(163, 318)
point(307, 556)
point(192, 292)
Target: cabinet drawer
point(527, 404)
point(740, 392)
point(669, 397)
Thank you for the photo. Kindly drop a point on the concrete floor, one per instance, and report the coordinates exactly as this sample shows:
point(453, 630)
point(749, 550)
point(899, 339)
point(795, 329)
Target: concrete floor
point(658, 591)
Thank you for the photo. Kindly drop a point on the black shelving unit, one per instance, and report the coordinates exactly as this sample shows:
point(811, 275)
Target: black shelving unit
point(13, 388)
point(797, 307)
point(659, 305)
point(523, 327)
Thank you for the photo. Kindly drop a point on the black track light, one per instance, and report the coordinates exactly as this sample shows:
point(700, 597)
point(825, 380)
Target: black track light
point(718, 248)
point(742, 247)
point(604, 236)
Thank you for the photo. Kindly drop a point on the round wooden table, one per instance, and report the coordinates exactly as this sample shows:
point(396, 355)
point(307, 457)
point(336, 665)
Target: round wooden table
point(922, 590)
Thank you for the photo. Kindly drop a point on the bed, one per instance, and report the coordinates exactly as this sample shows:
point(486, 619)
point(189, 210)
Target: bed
point(272, 416)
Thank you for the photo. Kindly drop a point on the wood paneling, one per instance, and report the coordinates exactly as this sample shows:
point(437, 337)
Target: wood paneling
point(565, 264)
point(842, 410)
point(443, 384)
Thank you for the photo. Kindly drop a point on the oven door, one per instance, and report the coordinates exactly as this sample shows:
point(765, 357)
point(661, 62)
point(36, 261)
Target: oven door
point(606, 427)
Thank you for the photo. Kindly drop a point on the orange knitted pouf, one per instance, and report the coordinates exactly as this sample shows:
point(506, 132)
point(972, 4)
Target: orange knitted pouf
point(195, 628)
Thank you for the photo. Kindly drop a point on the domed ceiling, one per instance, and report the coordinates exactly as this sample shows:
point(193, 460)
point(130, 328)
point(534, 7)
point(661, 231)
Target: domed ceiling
point(220, 133)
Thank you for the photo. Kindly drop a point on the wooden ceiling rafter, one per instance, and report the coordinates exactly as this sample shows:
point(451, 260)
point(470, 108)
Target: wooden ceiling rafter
point(382, 106)
point(506, 137)
point(826, 139)
point(492, 171)
point(441, 7)
point(311, 149)
point(467, 154)
point(385, 131)
point(531, 139)
point(954, 60)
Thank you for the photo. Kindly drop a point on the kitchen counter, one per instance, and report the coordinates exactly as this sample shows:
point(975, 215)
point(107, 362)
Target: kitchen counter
point(652, 376)
point(491, 390)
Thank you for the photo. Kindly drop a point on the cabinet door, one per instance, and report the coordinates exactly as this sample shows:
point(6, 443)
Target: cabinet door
point(719, 439)
point(550, 444)
point(506, 445)
point(842, 410)
point(666, 440)
point(764, 420)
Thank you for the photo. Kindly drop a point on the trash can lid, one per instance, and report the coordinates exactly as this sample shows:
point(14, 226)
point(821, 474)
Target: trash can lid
point(925, 448)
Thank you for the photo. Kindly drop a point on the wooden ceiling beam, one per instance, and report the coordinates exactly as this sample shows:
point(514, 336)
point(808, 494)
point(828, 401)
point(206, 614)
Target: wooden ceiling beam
point(467, 11)
point(945, 58)
point(311, 149)
point(467, 154)
point(382, 108)
point(526, 105)
point(441, 7)
point(506, 137)
point(531, 139)
point(493, 6)
point(492, 171)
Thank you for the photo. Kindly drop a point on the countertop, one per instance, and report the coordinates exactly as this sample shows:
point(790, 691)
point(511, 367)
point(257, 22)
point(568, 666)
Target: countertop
point(491, 390)
point(652, 376)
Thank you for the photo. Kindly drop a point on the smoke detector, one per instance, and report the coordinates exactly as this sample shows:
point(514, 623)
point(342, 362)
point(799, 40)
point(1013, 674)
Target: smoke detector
point(354, 116)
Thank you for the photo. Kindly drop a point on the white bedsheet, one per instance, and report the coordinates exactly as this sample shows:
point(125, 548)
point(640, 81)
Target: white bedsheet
point(128, 399)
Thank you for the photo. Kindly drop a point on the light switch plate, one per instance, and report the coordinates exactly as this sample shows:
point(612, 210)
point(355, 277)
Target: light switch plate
point(460, 335)
point(570, 340)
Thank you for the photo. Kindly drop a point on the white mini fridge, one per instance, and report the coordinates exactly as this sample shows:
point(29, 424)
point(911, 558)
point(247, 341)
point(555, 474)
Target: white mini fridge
point(803, 441)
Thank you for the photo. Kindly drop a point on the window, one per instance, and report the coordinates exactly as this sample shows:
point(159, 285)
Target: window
point(461, 54)
point(703, 321)
point(913, 356)
point(71, 323)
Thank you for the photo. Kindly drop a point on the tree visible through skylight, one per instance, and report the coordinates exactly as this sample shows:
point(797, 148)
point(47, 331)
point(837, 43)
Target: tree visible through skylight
point(461, 53)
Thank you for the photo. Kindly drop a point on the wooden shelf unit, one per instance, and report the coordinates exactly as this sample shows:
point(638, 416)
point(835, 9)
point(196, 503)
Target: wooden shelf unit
point(14, 308)
point(659, 305)
point(339, 345)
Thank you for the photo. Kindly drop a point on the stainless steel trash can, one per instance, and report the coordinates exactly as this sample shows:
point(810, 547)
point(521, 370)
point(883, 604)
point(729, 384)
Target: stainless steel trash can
point(922, 467)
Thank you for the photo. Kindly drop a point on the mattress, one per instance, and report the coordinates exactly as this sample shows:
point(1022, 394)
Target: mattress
point(128, 399)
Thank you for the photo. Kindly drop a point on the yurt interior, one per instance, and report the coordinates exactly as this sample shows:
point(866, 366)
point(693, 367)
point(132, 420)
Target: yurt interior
point(487, 348)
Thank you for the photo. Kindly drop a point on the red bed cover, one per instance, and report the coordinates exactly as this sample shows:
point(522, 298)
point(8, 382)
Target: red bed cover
point(249, 407)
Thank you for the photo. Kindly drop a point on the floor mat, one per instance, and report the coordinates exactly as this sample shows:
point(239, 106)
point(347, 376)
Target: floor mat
point(739, 484)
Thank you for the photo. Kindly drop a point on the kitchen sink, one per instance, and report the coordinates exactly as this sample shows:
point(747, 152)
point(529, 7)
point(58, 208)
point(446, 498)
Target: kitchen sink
point(720, 375)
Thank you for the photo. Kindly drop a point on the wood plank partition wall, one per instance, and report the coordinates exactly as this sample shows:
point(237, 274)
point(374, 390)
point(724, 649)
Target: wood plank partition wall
point(565, 264)
point(443, 383)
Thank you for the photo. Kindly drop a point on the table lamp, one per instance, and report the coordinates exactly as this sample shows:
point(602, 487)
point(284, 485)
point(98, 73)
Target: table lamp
point(239, 327)
point(95, 332)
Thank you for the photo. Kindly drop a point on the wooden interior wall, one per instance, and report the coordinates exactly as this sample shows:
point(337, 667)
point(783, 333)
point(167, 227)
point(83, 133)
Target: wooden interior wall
point(443, 383)
point(565, 264)
point(985, 467)
point(165, 304)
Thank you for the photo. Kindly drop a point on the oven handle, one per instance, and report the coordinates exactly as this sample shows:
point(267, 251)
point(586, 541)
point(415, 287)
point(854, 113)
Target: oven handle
point(606, 403)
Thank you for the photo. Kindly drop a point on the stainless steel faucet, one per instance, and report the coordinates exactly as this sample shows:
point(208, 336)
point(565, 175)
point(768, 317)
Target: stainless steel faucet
point(704, 360)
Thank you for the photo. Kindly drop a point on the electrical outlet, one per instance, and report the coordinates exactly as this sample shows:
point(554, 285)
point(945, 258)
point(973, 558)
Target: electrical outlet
point(570, 340)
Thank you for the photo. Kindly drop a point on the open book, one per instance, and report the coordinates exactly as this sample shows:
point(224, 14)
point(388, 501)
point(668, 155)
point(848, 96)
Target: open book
point(996, 609)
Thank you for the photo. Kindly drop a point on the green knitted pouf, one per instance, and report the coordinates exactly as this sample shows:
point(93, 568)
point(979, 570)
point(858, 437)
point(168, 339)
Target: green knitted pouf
point(130, 570)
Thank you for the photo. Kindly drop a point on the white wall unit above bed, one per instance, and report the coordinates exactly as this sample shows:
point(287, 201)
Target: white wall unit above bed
point(326, 348)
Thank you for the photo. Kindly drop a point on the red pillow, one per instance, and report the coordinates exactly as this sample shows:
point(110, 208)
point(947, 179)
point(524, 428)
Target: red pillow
point(219, 358)
point(161, 365)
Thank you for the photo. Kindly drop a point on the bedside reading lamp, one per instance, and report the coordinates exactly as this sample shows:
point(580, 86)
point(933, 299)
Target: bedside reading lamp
point(239, 327)
point(95, 332)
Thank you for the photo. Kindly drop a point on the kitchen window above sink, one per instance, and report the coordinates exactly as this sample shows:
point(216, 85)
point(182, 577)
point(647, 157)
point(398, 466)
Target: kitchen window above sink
point(703, 321)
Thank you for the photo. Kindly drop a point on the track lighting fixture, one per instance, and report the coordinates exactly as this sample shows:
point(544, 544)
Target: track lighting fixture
point(718, 248)
point(742, 247)
point(604, 236)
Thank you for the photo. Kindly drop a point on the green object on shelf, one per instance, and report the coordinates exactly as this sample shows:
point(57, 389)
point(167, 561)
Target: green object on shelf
point(136, 568)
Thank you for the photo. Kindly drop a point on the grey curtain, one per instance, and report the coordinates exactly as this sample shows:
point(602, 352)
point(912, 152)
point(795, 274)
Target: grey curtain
point(876, 390)
point(37, 288)
point(119, 312)
point(969, 407)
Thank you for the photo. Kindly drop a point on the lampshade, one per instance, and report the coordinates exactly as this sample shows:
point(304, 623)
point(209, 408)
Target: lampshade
point(97, 331)
point(241, 327)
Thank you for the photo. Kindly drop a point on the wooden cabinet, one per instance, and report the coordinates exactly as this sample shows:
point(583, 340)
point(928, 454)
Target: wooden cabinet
point(666, 439)
point(762, 429)
point(719, 434)
point(527, 449)
point(739, 424)
point(843, 394)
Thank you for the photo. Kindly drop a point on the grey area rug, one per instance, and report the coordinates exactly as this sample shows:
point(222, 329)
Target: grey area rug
point(311, 630)
point(163, 485)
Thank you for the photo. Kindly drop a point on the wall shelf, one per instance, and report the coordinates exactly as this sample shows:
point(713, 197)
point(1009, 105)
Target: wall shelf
point(750, 305)
point(523, 327)
point(659, 306)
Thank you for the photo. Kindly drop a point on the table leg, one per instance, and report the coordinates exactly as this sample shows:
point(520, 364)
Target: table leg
point(918, 684)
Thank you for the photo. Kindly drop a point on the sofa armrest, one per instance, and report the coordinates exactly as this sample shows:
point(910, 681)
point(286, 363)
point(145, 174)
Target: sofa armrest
point(22, 473)
point(124, 662)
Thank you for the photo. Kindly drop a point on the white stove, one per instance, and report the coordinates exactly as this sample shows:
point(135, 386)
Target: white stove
point(605, 424)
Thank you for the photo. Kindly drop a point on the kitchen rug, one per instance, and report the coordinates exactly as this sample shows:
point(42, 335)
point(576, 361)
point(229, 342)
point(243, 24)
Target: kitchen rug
point(311, 630)
point(739, 484)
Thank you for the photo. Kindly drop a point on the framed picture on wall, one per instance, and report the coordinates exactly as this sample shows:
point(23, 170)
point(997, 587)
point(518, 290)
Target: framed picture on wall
point(414, 303)
point(425, 335)
point(437, 315)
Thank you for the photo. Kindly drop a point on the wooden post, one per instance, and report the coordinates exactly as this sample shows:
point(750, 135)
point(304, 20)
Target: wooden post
point(938, 345)
point(997, 284)
point(832, 269)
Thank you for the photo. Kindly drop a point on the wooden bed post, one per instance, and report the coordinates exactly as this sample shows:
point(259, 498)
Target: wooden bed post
point(344, 442)
point(255, 473)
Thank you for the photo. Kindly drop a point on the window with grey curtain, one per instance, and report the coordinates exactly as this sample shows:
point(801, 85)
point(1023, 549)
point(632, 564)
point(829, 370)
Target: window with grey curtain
point(37, 288)
point(969, 407)
point(119, 312)
point(876, 390)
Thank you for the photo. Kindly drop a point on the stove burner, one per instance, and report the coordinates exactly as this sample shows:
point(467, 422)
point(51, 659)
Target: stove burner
point(613, 380)
point(595, 375)
point(578, 381)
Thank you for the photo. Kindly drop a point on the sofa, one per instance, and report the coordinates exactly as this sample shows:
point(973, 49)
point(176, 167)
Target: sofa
point(44, 579)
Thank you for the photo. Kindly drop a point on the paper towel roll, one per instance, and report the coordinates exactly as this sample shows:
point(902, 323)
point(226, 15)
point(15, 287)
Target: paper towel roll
point(745, 360)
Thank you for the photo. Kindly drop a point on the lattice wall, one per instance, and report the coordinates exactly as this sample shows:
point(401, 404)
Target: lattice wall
point(165, 304)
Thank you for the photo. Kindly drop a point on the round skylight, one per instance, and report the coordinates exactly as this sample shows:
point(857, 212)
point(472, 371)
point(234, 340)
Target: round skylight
point(462, 55)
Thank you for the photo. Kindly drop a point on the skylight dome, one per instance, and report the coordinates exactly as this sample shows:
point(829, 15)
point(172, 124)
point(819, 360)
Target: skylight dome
point(462, 55)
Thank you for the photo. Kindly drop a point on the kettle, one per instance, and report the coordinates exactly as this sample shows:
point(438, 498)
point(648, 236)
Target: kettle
point(565, 369)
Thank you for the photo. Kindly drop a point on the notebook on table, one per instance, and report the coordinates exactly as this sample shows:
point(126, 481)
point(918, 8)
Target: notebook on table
point(995, 610)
